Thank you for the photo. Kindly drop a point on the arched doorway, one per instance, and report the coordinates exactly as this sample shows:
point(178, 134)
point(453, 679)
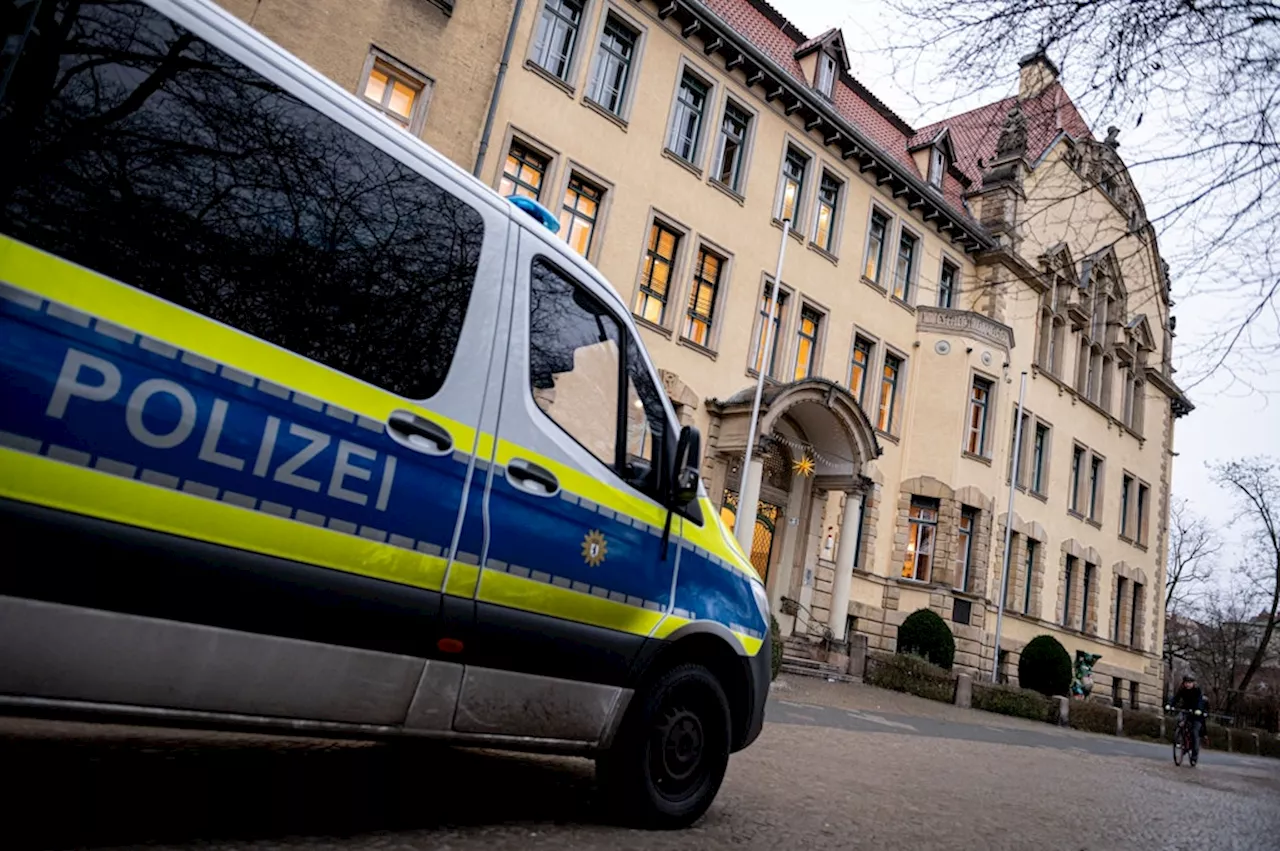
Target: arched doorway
point(775, 488)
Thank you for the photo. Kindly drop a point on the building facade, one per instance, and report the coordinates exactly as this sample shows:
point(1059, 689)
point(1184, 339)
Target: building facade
point(926, 270)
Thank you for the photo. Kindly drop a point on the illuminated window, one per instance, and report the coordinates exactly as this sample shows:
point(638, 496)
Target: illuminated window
point(795, 167)
point(922, 530)
point(876, 236)
point(889, 393)
point(858, 370)
point(399, 94)
point(828, 207)
point(655, 281)
point(702, 298)
point(905, 271)
point(965, 549)
point(578, 215)
point(807, 342)
point(523, 173)
point(762, 326)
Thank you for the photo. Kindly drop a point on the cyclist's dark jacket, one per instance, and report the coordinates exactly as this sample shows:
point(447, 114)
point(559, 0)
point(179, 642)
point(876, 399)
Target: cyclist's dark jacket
point(1188, 698)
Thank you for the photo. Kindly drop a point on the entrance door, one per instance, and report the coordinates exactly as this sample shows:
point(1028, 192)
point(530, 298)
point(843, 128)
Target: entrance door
point(762, 537)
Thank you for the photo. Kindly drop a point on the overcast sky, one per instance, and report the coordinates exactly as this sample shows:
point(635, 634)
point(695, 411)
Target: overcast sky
point(1230, 421)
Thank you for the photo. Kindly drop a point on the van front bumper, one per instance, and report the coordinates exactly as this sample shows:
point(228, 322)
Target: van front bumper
point(760, 675)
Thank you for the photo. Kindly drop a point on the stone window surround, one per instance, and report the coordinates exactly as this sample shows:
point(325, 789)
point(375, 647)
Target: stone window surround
point(1135, 577)
point(1083, 556)
point(708, 128)
point(1016, 592)
point(637, 55)
point(576, 59)
point(947, 538)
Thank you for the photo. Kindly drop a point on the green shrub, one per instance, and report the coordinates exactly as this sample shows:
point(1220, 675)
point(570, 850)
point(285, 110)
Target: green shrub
point(776, 640)
point(910, 674)
point(1213, 737)
point(1011, 700)
point(1092, 716)
point(925, 634)
point(1045, 666)
point(1269, 744)
point(1142, 725)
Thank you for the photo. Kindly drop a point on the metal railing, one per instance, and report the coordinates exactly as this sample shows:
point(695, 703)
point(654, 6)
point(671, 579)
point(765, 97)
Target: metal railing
point(806, 618)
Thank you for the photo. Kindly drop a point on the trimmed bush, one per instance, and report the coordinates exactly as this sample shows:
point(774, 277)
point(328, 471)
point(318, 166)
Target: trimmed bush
point(1092, 716)
point(1269, 744)
point(1045, 666)
point(1142, 725)
point(910, 674)
point(1011, 700)
point(776, 640)
point(1213, 737)
point(925, 634)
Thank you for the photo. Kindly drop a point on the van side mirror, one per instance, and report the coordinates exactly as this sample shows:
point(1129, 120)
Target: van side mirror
point(684, 473)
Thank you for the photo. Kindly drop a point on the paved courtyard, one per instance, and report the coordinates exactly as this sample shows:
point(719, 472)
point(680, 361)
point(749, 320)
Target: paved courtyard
point(836, 767)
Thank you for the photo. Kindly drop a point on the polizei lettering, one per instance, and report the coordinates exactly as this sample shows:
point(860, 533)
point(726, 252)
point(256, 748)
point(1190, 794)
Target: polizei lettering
point(161, 414)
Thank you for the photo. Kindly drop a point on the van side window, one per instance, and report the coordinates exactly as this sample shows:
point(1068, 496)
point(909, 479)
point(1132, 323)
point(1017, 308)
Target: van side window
point(134, 149)
point(646, 422)
point(575, 361)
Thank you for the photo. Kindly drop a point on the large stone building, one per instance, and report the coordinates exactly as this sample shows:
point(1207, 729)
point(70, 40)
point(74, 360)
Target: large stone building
point(926, 269)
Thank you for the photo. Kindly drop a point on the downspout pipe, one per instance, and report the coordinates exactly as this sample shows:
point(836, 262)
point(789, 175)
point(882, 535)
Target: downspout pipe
point(497, 89)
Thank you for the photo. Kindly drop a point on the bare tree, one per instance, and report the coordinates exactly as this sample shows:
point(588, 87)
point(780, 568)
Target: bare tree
point(1211, 70)
point(1192, 548)
point(1255, 485)
point(1218, 642)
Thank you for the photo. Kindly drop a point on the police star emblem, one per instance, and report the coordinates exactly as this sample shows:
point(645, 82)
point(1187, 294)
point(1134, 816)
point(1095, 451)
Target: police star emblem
point(594, 548)
point(803, 466)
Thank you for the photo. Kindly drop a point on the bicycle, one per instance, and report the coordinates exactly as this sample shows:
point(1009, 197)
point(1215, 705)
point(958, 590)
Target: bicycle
point(1183, 741)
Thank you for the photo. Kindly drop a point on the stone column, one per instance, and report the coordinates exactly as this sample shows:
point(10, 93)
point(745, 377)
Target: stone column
point(748, 499)
point(792, 529)
point(838, 619)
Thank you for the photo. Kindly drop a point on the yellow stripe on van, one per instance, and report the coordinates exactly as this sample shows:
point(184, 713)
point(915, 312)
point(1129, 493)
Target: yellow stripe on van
point(531, 595)
point(84, 491)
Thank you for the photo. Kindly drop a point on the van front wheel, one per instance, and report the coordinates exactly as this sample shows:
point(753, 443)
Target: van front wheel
point(670, 754)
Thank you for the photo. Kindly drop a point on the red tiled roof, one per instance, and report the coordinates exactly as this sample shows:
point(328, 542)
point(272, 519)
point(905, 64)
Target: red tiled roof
point(974, 133)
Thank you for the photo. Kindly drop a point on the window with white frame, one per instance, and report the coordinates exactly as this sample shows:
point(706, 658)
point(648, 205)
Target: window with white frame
point(975, 442)
point(557, 36)
point(398, 93)
point(905, 270)
point(937, 166)
point(1033, 547)
point(948, 284)
point(922, 532)
point(828, 212)
point(877, 235)
point(890, 385)
point(762, 330)
point(807, 338)
point(860, 368)
point(826, 73)
point(687, 117)
point(1040, 449)
point(523, 172)
point(795, 170)
point(611, 75)
point(655, 277)
point(964, 548)
point(580, 213)
point(700, 318)
point(735, 125)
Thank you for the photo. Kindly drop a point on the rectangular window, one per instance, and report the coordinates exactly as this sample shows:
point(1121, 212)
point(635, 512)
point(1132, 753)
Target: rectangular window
point(734, 127)
point(1068, 576)
point(557, 35)
point(1121, 583)
point(862, 348)
point(1135, 609)
point(655, 279)
point(398, 94)
point(947, 285)
point(686, 122)
point(1126, 497)
point(905, 270)
point(1133, 694)
point(1032, 548)
point(523, 172)
point(937, 166)
point(889, 393)
point(922, 529)
point(231, 197)
point(1040, 458)
point(876, 236)
point(979, 398)
point(1095, 487)
point(579, 212)
point(795, 169)
point(1143, 500)
point(702, 298)
point(1018, 454)
point(758, 348)
point(826, 73)
point(1077, 471)
point(612, 73)
point(828, 207)
point(807, 342)
point(1085, 595)
point(965, 548)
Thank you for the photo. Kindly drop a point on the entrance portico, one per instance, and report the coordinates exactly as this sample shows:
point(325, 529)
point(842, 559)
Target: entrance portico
point(814, 447)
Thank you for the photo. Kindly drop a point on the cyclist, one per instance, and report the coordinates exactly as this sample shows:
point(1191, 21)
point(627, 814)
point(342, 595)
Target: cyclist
point(1189, 698)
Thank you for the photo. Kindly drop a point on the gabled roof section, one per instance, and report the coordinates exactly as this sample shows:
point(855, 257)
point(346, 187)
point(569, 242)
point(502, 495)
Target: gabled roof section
point(1140, 327)
point(940, 140)
point(1102, 262)
point(833, 41)
point(1058, 259)
point(1048, 114)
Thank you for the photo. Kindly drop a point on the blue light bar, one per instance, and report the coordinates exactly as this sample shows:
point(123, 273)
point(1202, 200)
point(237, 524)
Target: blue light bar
point(539, 212)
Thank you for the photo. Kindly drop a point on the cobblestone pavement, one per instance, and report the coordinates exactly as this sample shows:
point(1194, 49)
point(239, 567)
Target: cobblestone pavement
point(857, 772)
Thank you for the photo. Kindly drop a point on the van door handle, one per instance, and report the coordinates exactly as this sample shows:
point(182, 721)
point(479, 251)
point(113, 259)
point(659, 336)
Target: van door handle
point(531, 478)
point(419, 434)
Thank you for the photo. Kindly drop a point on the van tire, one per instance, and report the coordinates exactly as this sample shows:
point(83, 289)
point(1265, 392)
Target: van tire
point(670, 754)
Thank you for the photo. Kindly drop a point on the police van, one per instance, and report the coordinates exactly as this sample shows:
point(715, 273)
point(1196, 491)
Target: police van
point(305, 429)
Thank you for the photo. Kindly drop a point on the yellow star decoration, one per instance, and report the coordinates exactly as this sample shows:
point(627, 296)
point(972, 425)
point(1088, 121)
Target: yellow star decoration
point(803, 466)
point(594, 548)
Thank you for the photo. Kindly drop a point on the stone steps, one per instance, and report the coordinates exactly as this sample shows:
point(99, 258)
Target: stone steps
point(801, 666)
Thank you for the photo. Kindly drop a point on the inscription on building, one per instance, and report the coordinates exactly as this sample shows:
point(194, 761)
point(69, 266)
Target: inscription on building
point(964, 322)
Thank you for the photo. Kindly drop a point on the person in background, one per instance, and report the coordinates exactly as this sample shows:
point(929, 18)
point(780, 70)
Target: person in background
point(1188, 698)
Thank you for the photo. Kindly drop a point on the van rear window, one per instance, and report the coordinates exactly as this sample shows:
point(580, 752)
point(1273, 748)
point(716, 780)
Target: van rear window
point(135, 149)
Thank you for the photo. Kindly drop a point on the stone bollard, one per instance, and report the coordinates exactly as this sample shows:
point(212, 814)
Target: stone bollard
point(1163, 732)
point(857, 655)
point(1230, 749)
point(1257, 746)
point(1064, 711)
point(964, 691)
point(1119, 720)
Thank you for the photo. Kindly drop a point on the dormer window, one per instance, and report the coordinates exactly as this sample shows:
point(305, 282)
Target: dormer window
point(826, 73)
point(937, 166)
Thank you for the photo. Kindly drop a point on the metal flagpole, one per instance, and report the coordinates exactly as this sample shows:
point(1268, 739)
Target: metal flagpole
point(755, 406)
point(1008, 526)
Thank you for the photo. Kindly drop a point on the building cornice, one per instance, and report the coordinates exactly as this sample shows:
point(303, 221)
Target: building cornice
point(1181, 404)
point(817, 115)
